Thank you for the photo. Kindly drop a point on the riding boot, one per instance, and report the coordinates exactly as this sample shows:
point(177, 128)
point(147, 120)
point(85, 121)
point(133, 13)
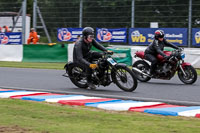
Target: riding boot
point(152, 69)
point(90, 84)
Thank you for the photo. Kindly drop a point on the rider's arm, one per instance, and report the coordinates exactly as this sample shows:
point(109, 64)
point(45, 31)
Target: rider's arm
point(98, 46)
point(169, 44)
point(158, 49)
point(79, 54)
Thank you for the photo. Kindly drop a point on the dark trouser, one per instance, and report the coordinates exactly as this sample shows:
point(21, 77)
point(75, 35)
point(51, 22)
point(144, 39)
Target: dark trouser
point(153, 60)
point(91, 56)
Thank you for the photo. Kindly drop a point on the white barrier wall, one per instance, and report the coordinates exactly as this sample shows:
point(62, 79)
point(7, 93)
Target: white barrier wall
point(11, 52)
point(192, 55)
point(70, 51)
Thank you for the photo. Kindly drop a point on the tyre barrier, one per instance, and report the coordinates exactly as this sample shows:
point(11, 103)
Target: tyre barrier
point(104, 103)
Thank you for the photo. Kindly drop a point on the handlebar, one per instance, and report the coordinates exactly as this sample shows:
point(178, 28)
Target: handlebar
point(180, 49)
point(108, 53)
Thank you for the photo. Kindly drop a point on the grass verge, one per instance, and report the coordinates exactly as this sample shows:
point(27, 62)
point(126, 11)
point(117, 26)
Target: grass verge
point(33, 117)
point(32, 65)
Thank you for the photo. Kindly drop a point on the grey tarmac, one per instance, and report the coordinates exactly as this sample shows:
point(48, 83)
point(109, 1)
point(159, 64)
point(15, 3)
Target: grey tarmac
point(49, 80)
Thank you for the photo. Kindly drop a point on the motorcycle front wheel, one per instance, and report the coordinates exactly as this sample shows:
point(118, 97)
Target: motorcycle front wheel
point(190, 75)
point(76, 75)
point(124, 78)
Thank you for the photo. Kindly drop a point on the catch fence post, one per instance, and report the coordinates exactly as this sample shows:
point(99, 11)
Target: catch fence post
point(189, 23)
point(24, 21)
point(133, 14)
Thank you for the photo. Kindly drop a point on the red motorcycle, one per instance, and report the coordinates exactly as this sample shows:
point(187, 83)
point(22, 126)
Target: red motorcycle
point(165, 69)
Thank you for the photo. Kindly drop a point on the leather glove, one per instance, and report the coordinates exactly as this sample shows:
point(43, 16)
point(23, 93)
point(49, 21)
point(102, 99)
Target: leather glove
point(166, 57)
point(93, 66)
point(110, 52)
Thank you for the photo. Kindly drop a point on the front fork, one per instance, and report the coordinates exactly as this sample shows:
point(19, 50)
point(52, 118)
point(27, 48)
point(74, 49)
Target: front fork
point(181, 67)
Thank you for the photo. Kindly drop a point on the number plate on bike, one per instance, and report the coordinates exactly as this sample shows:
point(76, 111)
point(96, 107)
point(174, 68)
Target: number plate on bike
point(112, 62)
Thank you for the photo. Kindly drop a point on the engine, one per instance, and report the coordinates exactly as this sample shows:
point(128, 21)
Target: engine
point(165, 70)
point(102, 64)
point(101, 75)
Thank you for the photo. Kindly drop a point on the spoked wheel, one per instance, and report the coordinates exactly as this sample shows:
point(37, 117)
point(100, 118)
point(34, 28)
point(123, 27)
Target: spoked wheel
point(125, 79)
point(190, 75)
point(76, 75)
point(144, 67)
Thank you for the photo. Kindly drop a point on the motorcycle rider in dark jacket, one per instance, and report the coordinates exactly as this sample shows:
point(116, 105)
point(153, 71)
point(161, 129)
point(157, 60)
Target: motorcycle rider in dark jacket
point(155, 48)
point(84, 56)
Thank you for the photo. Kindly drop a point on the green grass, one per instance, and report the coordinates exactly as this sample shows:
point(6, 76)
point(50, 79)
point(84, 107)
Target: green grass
point(32, 65)
point(198, 71)
point(53, 118)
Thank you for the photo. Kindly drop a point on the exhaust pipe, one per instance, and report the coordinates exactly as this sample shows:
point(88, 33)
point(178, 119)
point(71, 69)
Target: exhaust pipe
point(139, 71)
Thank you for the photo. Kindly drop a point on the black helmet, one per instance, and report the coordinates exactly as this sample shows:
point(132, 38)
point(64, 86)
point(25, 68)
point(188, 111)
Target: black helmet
point(159, 34)
point(87, 31)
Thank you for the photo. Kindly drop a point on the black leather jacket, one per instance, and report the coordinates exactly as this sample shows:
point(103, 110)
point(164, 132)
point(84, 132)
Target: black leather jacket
point(81, 50)
point(157, 47)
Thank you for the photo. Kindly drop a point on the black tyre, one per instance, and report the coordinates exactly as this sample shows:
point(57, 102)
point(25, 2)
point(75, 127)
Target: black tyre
point(190, 77)
point(124, 78)
point(77, 75)
point(144, 67)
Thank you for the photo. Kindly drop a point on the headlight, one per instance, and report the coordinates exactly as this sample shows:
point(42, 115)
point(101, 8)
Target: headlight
point(182, 56)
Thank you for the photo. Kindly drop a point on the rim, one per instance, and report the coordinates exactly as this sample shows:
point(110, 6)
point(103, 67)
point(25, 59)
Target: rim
point(124, 78)
point(189, 75)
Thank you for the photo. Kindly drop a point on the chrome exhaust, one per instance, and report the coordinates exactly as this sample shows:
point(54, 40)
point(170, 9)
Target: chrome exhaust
point(139, 71)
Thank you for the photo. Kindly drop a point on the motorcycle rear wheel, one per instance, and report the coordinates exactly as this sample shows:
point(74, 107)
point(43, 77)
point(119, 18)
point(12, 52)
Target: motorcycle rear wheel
point(125, 79)
point(76, 75)
point(144, 67)
point(191, 75)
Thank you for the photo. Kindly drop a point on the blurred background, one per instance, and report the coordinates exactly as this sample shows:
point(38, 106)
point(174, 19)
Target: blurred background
point(106, 13)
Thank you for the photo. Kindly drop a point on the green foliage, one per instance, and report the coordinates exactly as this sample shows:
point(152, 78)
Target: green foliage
point(10, 5)
point(30, 7)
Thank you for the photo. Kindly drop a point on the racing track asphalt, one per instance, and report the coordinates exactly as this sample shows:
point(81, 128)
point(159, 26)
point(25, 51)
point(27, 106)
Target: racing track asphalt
point(169, 91)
